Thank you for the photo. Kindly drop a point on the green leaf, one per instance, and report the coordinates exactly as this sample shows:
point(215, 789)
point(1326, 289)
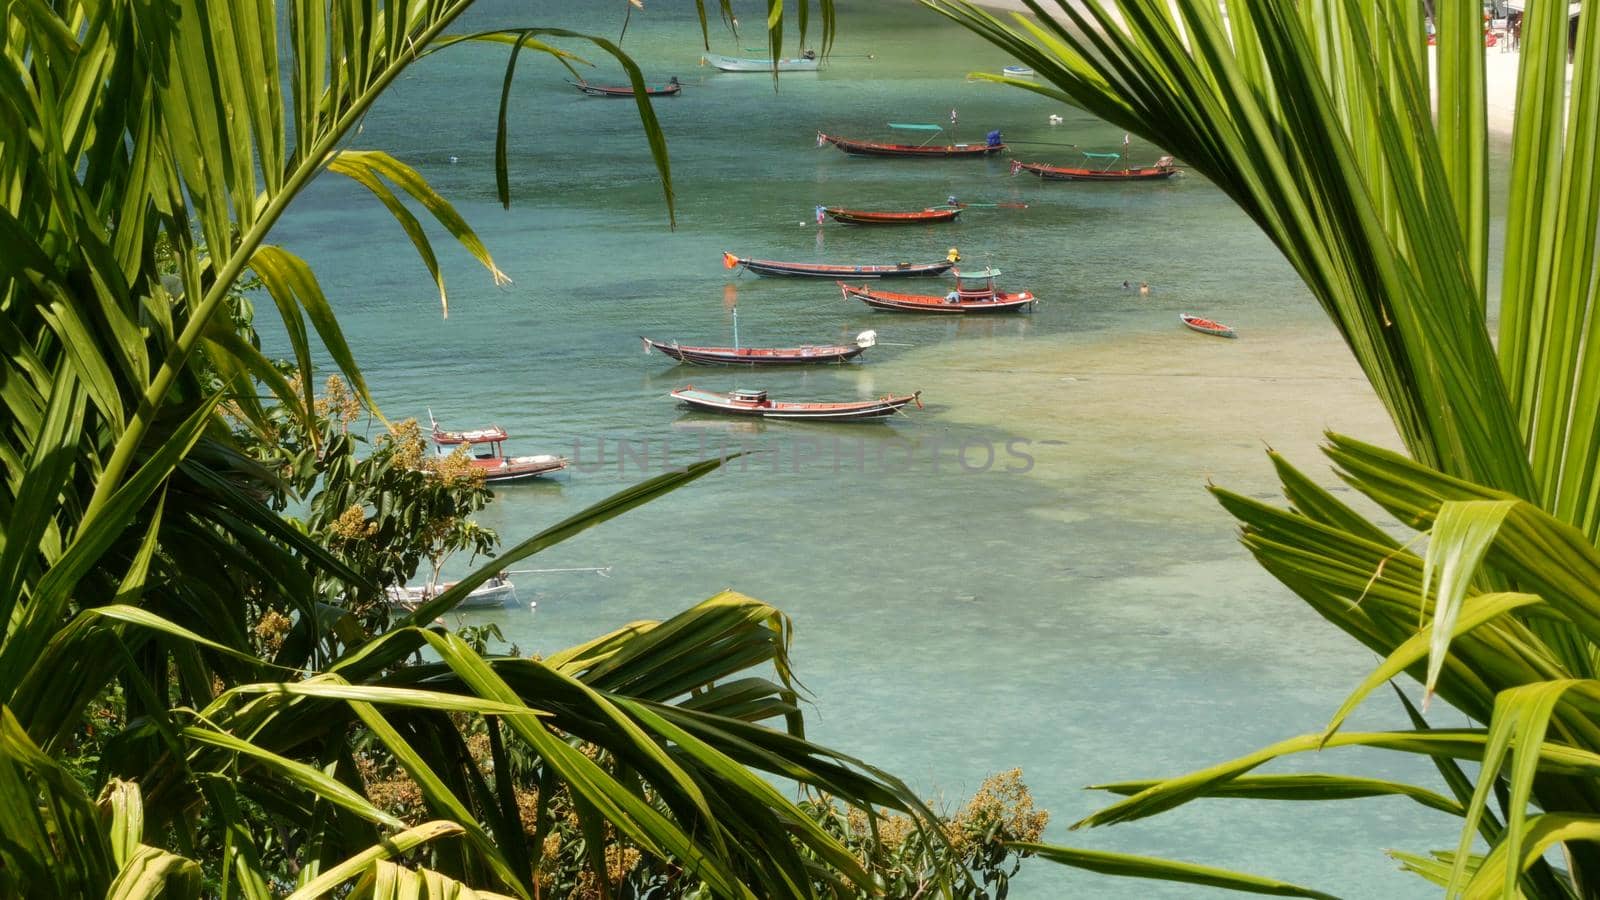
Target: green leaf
point(396, 845)
point(1131, 866)
point(1461, 535)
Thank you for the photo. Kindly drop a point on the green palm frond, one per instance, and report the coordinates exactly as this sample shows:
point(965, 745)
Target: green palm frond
point(1369, 171)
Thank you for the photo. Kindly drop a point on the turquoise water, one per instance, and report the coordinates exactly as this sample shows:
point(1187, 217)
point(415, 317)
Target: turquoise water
point(1090, 620)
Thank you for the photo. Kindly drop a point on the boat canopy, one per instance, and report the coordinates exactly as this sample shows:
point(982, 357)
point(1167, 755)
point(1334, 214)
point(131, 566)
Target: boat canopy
point(911, 127)
point(979, 273)
point(1102, 155)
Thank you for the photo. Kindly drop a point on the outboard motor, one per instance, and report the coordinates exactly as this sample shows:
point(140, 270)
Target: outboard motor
point(994, 138)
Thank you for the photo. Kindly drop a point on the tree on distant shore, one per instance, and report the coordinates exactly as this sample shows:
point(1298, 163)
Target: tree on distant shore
point(1317, 120)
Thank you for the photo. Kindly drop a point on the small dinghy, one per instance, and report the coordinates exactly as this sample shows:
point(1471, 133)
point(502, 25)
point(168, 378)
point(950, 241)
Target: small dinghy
point(1206, 326)
point(758, 404)
point(1017, 72)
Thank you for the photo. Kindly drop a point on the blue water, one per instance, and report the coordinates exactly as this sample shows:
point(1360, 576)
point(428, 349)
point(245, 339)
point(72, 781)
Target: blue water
point(1090, 620)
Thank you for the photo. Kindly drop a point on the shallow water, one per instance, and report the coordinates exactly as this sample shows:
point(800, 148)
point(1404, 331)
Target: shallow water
point(1090, 619)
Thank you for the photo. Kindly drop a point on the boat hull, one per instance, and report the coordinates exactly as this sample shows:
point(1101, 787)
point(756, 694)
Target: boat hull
point(1067, 173)
point(775, 269)
point(724, 404)
point(599, 90)
point(1207, 326)
point(756, 356)
point(910, 151)
point(493, 594)
point(521, 468)
point(874, 217)
point(738, 64)
point(967, 302)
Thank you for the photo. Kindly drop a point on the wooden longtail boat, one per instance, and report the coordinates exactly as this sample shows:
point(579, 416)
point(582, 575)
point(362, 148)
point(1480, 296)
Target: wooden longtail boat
point(764, 356)
point(805, 63)
point(1163, 168)
point(1206, 326)
point(669, 89)
point(826, 270)
point(489, 458)
point(874, 148)
point(872, 217)
point(498, 591)
point(756, 403)
point(964, 299)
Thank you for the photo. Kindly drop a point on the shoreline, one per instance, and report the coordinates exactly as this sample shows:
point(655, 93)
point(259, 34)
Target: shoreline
point(1499, 75)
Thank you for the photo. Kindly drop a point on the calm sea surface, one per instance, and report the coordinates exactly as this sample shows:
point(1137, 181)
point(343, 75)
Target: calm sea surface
point(1090, 620)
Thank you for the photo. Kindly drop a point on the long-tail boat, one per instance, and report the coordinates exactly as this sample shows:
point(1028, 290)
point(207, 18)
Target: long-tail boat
point(807, 62)
point(1207, 326)
point(758, 404)
point(874, 217)
point(764, 356)
point(1163, 168)
point(964, 299)
point(669, 89)
point(827, 270)
point(875, 148)
point(487, 456)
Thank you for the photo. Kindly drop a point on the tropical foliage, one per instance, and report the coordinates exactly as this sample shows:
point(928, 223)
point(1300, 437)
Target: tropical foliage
point(1322, 121)
point(187, 704)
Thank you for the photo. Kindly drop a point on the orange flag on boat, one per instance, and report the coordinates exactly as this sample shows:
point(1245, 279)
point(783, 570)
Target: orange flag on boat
point(729, 261)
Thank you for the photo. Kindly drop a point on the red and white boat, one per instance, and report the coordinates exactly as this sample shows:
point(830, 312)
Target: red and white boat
point(966, 298)
point(1207, 326)
point(758, 404)
point(487, 455)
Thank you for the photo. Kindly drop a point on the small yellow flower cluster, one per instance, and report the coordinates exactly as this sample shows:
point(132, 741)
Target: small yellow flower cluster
point(352, 524)
point(395, 793)
point(409, 447)
point(338, 402)
point(892, 830)
point(549, 855)
point(456, 469)
point(271, 629)
point(619, 862)
point(1002, 800)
